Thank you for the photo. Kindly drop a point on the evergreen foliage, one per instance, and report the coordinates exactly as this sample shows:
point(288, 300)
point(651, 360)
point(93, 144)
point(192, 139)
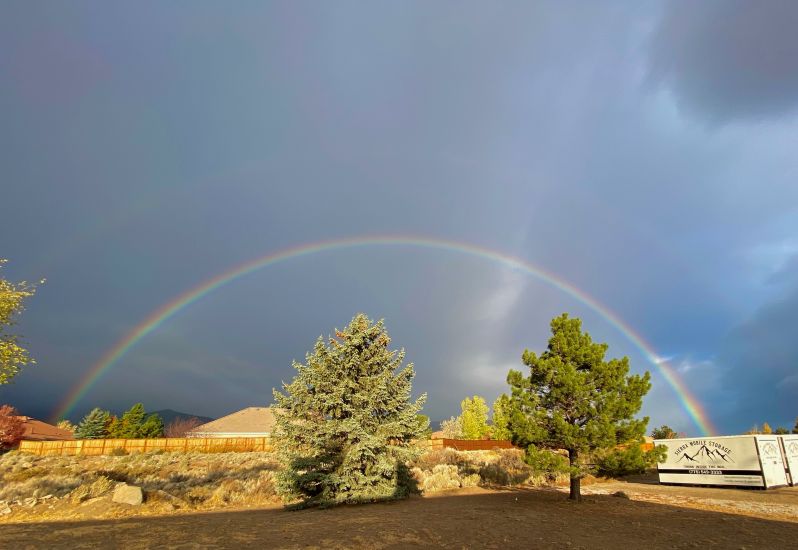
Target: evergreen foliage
point(628, 461)
point(12, 302)
point(474, 417)
point(94, 425)
point(131, 421)
point(546, 462)
point(114, 427)
point(151, 428)
point(347, 421)
point(136, 424)
point(781, 430)
point(575, 400)
point(426, 429)
point(795, 428)
point(501, 418)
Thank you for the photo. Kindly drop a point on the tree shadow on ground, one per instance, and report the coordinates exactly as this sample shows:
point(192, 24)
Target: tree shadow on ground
point(477, 518)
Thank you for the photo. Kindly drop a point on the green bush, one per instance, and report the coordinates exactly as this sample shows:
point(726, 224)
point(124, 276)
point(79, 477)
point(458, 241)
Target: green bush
point(546, 463)
point(628, 461)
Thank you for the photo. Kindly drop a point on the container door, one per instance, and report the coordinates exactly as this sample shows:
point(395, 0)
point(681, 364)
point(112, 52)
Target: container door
point(771, 460)
point(789, 445)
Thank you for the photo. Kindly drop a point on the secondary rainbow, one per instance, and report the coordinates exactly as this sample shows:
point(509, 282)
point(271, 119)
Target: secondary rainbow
point(158, 317)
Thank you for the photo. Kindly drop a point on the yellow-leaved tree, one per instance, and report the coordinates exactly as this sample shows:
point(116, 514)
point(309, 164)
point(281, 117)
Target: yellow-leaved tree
point(12, 300)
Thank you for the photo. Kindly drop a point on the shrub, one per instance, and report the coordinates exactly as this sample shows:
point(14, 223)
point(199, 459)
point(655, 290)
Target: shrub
point(546, 463)
point(118, 451)
point(96, 488)
point(627, 461)
point(508, 469)
point(11, 429)
point(442, 477)
point(452, 428)
point(429, 460)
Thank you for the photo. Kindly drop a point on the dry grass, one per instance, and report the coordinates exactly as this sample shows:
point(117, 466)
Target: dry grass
point(188, 480)
point(69, 485)
point(444, 469)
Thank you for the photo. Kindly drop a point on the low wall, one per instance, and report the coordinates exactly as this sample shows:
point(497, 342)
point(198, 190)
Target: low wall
point(107, 446)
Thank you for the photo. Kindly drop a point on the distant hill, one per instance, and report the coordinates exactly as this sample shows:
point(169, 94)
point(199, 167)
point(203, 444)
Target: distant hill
point(167, 415)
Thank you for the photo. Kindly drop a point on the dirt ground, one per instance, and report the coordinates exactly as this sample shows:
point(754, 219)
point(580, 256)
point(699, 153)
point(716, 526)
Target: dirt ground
point(653, 516)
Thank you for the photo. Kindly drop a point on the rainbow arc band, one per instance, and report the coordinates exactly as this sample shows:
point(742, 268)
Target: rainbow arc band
point(168, 310)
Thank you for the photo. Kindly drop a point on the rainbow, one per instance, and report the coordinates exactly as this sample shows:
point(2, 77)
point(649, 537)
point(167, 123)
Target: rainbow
point(158, 317)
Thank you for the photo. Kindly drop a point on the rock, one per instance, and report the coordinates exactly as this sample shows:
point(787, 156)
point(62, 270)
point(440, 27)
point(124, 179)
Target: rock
point(128, 494)
point(620, 494)
point(25, 464)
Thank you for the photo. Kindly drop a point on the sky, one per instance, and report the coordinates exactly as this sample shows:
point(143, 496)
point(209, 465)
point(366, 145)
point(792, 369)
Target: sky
point(642, 152)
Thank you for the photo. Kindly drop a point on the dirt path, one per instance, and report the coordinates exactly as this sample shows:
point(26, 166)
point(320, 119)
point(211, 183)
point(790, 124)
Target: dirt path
point(778, 504)
point(474, 519)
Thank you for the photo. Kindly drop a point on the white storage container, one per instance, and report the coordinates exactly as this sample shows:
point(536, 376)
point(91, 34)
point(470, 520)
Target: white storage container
point(737, 460)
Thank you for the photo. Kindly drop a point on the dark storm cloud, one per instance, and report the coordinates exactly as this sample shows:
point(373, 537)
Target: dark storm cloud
point(145, 150)
point(759, 362)
point(729, 60)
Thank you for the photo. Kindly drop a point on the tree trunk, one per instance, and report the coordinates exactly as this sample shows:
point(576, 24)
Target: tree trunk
point(576, 476)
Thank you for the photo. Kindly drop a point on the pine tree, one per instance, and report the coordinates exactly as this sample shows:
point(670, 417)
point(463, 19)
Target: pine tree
point(130, 424)
point(151, 428)
point(423, 422)
point(575, 400)
point(474, 417)
point(347, 421)
point(114, 427)
point(94, 425)
point(501, 418)
point(795, 428)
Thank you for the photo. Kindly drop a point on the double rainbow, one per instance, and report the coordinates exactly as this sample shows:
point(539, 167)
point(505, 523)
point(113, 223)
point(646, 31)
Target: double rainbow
point(158, 317)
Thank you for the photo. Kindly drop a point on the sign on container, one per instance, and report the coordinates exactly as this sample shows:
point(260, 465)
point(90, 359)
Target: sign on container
point(742, 461)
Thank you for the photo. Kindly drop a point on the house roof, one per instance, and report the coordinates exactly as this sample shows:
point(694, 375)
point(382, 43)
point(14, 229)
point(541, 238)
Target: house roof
point(36, 430)
point(249, 421)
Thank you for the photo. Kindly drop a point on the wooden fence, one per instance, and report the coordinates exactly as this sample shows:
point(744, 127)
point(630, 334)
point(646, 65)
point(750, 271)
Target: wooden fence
point(221, 445)
point(108, 446)
point(465, 444)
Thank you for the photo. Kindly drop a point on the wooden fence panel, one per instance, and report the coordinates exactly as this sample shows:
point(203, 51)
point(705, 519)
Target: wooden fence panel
point(477, 444)
point(95, 447)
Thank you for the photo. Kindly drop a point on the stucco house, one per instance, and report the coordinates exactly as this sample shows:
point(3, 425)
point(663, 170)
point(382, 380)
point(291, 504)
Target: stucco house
point(249, 422)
